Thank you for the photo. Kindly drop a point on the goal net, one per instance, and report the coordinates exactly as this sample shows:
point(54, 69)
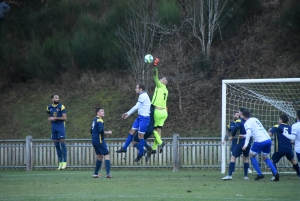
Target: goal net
point(266, 99)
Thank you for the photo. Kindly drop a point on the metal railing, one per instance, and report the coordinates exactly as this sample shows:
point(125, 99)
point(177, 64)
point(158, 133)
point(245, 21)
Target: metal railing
point(192, 152)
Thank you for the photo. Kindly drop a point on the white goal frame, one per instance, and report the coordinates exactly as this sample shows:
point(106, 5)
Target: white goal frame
point(224, 90)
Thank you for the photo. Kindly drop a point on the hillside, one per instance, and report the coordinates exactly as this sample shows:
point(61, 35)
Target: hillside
point(259, 49)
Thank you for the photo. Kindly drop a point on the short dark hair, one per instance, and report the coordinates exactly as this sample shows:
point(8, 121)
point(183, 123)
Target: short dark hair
point(52, 96)
point(246, 113)
point(142, 86)
point(284, 118)
point(98, 109)
point(242, 109)
point(298, 114)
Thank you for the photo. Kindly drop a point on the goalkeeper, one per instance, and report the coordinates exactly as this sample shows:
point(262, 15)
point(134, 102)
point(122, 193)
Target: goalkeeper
point(159, 102)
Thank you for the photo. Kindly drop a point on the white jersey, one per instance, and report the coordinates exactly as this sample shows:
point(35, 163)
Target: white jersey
point(254, 128)
point(296, 131)
point(143, 105)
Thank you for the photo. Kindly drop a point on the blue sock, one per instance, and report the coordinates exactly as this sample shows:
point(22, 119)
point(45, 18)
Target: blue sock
point(137, 146)
point(64, 151)
point(98, 165)
point(146, 145)
point(275, 168)
point(231, 168)
point(141, 149)
point(107, 165)
point(246, 166)
point(58, 151)
point(255, 165)
point(271, 165)
point(296, 167)
point(128, 141)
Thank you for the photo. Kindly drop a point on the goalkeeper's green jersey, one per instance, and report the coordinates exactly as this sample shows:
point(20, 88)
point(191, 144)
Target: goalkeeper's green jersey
point(160, 95)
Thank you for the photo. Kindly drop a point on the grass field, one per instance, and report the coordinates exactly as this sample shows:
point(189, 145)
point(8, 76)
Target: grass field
point(141, 184)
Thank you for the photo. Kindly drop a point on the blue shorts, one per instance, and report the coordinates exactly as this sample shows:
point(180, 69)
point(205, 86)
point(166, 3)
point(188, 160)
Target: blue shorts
point(141, 123)
point(264, 147)
point(58, 133)
point(237, 148)
point(100, 148)
point(150, 127)
point(278, 155)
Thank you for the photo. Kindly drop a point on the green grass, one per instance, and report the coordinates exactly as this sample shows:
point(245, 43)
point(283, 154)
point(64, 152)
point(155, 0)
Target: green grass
point(141, 184)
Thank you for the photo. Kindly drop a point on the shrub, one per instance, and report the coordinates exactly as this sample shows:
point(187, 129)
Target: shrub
point(169, 12)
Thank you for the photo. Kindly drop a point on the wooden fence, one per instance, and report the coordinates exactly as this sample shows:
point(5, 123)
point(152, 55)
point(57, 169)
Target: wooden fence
point(200, 152)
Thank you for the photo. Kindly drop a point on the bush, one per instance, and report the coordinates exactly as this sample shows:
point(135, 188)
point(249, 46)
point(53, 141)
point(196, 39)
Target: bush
point(169, 12)
point(289, 21)
point(234, 15)
point(47, 60)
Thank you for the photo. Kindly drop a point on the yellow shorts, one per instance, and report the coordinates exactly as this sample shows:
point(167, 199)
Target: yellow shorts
point(160, 117)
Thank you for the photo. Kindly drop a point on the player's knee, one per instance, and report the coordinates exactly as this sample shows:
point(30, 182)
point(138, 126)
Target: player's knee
point(293, 161)
point(107, 157)
point(245, 159)
point(99, 157)
point(141, 135)
point(265, 157)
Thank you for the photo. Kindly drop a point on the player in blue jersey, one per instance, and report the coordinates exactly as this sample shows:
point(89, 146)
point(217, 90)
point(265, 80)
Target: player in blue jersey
point(141, 122)
point(230, 127)
point(262, 143)
point(99, 144)
point(237, 145)
point(282, 144)
point(57, 117)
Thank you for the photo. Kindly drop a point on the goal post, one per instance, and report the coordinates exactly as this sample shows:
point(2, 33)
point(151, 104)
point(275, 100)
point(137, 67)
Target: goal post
point(265, 98)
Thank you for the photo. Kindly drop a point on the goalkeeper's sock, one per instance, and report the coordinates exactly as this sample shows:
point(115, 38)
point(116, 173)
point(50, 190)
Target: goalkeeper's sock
point(128, 141)
point(296, 167)
point(157, 137)
point(107, 165)
point(271, 165)
point(255, 165)
point(246, 166)
point(58, 151)
point(231, 168)
point(154, 146)
point(97, 168)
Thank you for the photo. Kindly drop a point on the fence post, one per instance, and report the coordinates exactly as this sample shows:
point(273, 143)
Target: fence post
point(29, 153)
point(175, 158)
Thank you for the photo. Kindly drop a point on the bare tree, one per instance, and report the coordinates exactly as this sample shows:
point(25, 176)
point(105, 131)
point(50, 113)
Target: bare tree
point(137, 38)
point(206, 21)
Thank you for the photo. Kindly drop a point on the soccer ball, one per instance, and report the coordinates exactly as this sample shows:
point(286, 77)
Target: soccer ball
point(148, 58)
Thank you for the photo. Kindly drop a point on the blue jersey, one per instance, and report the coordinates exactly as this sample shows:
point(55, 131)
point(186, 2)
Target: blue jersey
point(281, 142)
point(56, 111)
point(238, 127)
point(230, 126)
point(97, 129)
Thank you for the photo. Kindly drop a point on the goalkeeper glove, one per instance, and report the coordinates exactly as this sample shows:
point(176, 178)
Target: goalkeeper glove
point(156, 62)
